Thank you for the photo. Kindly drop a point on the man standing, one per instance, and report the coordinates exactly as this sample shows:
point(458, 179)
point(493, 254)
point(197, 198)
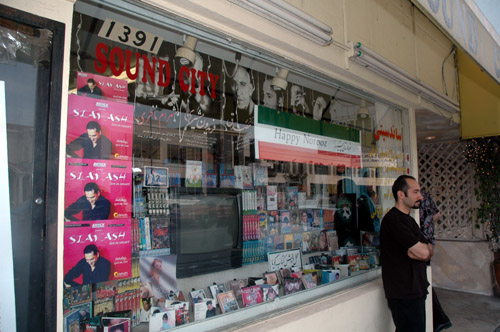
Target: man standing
point(92, 267)
point(93, 205)
point(94, 144)
point(403, 254)
point(91, 89)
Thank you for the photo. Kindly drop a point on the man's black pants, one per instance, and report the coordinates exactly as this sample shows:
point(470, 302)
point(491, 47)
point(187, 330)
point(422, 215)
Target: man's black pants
point(408, 315)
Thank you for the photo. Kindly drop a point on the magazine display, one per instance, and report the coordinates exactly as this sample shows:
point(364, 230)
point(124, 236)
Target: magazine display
point(227, 301)
point(197, 295)
point(216, 289)
point(270, 292)
point(308, 281)
point(293, 285)
point(293, 197)
point(71, 321)
point(103, 306)
point(260, 176)
point(160, 271)
point(271, 278)
point(162, 321)
point(285, 222)
point(243, 177)
point(236, 285)
point(111, 324)
point(204, 309)
point(160, 237)
point(193, 173)
point(272, 197)
point(251, 295)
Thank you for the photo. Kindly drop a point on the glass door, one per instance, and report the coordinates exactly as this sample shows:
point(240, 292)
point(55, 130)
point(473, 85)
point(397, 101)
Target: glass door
point(29, 138)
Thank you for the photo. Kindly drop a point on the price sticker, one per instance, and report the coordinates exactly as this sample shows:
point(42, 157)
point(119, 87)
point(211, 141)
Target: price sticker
point(131, 36)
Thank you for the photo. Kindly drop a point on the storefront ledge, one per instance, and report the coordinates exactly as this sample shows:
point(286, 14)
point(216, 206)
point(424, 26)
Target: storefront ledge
point(246, 316)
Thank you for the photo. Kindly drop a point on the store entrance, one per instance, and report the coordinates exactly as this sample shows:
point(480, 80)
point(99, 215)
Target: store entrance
point(30, 94)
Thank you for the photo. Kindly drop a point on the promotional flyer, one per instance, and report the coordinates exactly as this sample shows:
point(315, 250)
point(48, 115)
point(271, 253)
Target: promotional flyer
point(99, 129)
point(112, 260)
point(97, 190)
point(101, 87)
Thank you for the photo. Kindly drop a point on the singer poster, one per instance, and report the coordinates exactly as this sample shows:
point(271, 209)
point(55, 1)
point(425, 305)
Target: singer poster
point(111, 240)
point(98, 190)
point(101, 87)
point(99, 129)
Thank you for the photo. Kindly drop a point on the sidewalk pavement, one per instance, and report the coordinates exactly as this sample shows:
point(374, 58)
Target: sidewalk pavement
point(470, 312)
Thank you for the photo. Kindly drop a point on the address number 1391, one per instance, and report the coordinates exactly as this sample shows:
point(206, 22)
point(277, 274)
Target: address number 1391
point(130, 36)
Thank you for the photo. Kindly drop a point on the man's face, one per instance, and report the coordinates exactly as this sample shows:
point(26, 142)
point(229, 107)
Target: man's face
point(94, 135)
point(242, 87)
point(91, 196)
point(146, 305)
point(270, 97)
point(413, 198)
point(91, 258)
point(91, 85)
point(304, 217)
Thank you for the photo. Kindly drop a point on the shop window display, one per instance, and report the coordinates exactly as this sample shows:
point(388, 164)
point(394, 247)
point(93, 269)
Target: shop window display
point(207, 171)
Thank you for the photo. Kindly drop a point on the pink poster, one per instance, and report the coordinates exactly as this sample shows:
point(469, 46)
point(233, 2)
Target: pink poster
point(101, 87)
point(96, 251)
point(99, 129)
point(97, 190)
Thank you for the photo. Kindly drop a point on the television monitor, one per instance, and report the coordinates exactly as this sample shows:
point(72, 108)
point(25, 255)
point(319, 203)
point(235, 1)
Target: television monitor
point(207, 230)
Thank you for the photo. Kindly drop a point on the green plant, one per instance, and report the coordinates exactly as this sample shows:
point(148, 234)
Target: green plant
point(484, 153)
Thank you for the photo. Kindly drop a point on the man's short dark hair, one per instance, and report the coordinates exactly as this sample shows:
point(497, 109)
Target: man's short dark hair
point(91, 80)
point(94, 125)
point(401, 185)
point(91, 186)
point(209, 302)
point(91, 248)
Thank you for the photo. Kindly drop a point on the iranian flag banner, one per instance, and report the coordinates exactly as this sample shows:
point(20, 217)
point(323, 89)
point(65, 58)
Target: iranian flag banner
point(289, 137)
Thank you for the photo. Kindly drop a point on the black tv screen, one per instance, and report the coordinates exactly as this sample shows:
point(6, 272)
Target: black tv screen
point(208, 231)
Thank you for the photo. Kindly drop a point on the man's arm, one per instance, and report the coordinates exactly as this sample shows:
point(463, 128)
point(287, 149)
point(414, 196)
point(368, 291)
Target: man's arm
point(421, 251)
point(73, 209)
point(75, 145)
point(72, 274)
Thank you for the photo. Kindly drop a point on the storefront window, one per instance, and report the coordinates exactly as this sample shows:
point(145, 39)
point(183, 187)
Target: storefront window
point(185, 177)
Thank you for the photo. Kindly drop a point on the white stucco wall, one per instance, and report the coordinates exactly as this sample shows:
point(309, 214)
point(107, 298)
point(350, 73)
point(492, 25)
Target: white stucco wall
point(464, 266)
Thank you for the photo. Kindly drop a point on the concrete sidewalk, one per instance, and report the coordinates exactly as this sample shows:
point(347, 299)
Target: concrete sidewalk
point(470, 312)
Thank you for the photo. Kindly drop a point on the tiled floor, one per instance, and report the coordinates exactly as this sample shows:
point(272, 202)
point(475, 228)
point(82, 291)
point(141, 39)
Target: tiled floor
point(470, 312)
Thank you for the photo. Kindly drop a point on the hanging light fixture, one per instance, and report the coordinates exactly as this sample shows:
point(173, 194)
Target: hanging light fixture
point(363, 112)
point(186, 53)
point(279, 82)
